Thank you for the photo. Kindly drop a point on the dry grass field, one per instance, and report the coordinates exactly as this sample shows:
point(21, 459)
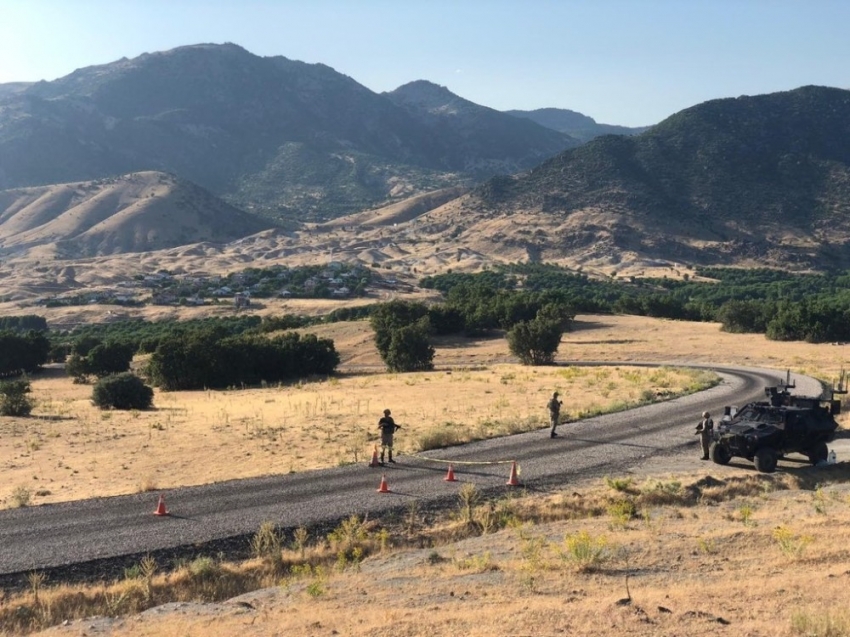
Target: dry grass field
point(700, 550)
point(70, 450)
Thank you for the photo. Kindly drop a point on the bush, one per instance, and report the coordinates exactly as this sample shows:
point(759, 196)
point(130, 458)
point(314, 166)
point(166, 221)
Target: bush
point(122, 391)
point(13, 398)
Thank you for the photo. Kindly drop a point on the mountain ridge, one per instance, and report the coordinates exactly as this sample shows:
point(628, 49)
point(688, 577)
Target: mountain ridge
point(577, 125)
point(277, 137)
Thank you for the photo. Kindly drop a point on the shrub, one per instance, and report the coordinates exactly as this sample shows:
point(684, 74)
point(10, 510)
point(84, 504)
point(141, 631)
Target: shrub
point(21, 496)
point(13, 398)
point(122, 391)
point(585, 551)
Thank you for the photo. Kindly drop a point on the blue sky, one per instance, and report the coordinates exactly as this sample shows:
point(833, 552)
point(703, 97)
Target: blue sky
point(628, 62)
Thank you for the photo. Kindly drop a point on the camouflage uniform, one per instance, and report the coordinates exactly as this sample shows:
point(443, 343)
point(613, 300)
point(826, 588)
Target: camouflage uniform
point(388, 428)
point(705, 428)
point(554, 406)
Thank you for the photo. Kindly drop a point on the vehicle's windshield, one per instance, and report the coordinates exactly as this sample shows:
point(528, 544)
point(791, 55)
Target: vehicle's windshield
point(760, 414)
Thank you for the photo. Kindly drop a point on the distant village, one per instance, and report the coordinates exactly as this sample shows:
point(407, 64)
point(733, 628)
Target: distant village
point(332, 280)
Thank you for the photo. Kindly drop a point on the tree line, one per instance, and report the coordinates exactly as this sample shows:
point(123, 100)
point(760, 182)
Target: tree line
point(532, 304)
point(781, 305)
point(534, 323)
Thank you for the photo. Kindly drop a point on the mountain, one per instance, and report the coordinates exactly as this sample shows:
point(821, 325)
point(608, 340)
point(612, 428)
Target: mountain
point(273, 136)
point(576, 125)
point(482, 139)
point(138, 212)
point(763, 179)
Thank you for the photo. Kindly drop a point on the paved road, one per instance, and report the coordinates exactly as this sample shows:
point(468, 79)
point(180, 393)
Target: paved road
point(51, 536)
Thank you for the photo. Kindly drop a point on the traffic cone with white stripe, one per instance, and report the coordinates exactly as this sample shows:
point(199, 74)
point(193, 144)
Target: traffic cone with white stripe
point(374, 462)
point(160, 507)
point(450, 476)
point(383, 488)
point(512, 480)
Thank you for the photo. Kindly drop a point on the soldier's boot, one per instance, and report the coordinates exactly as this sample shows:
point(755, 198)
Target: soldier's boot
point(391, 456)
point(382, 457)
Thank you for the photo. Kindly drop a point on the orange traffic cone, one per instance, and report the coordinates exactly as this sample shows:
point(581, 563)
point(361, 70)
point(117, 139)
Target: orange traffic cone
point(383, 488)
point(160, 508)
point(374, 462)
point(450, 476)
point(512, 481)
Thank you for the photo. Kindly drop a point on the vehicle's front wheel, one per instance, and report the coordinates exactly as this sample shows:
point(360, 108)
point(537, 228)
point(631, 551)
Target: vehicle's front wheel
point(719, 453)
point(765, 460)
point(818, 453)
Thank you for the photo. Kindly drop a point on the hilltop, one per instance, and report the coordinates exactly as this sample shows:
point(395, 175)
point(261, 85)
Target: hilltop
point(139, 212)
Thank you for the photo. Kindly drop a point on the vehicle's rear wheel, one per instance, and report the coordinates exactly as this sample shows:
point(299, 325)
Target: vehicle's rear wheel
point(719, 453)
point(765, 460)
point(818, 453)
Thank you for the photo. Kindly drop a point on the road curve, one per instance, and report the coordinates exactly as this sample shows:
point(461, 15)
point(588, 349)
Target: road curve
point(95, 531)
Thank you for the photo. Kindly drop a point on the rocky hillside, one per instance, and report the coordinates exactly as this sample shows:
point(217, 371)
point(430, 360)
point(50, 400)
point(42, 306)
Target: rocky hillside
point(133, 213)
point(273, 136)
point(762, 179)
point(576, 125)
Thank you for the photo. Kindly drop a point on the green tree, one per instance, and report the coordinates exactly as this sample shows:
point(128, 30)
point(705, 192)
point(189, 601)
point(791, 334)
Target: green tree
point(83, 345)
point(109, 358)
point(535, 342)
point(388, 317)
point(102, 359)
point(22, 352)
point(409, 349)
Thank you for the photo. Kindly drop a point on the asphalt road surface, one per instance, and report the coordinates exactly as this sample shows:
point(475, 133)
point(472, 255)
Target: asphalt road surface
point(101, 531)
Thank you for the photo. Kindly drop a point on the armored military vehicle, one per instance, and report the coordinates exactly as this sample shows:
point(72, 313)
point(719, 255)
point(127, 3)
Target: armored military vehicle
point(765, 431)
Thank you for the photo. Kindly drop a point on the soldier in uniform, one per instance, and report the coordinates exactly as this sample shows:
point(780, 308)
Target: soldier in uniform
point(388, 428)
point(554, 406)
point(705, 429)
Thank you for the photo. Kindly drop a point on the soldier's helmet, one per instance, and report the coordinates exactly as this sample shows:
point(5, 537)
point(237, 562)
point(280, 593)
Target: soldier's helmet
point(555, 394)
point(705, 414)
point(386, 412)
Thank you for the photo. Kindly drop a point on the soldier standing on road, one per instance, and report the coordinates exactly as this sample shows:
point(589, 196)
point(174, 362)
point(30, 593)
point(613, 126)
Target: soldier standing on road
point(388, 428)
point(554, 406)
point(705, 429)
